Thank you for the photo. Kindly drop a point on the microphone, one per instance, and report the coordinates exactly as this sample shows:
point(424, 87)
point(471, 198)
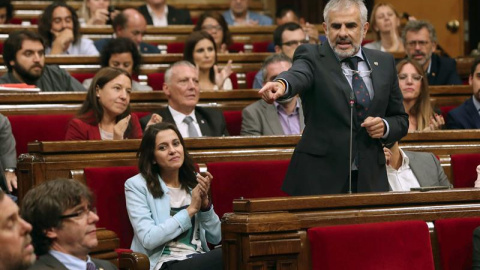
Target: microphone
point(352, 101)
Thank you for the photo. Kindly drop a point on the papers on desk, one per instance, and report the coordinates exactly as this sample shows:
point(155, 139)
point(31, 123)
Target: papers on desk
point(18, 87)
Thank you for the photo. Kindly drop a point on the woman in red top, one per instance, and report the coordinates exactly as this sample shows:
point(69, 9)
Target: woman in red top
point(105, 114)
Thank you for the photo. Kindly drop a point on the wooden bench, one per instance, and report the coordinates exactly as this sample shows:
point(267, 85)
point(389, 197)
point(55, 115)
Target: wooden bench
point(49, 160)
point(271, 233)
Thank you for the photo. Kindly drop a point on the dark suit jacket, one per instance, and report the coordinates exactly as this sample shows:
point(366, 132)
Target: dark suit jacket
point(476, 249)
point(443, 71)
point(144, 47)
point(175, 16)
point(464, 116)
point(320, 163)
point(211, 121)
point(47, 261)
point(427, 169)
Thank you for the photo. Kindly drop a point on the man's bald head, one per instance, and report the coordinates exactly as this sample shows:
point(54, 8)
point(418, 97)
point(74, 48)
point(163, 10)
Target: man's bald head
point(130, 24)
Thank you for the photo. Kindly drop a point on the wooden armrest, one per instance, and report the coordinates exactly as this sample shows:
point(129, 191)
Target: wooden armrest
point(133, 260)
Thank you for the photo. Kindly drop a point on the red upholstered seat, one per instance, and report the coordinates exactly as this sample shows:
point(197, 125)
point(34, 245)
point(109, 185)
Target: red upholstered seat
point(155, 80)
point(445, 110)
point(389, 245)
point(464, 169)
point(108, 186)
point(250, 78)
point(233, 78)
point(236, 47)
point(260, 47)
point(82, 76)
point(233, 120)
point(141, 114)
point(248, 179)
point(175, 47)
point(28, 128)
point(455, 242)
point(15, 20)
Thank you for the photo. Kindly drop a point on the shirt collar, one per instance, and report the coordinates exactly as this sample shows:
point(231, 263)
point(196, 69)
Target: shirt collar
point(476, 103)
point(70, 262)
point(280, 107)
point(179, 117)
point(152, 14)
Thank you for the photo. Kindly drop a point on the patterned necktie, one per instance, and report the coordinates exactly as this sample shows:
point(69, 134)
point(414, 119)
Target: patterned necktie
point(192, 131)
point(91, 266)
point(362, 97)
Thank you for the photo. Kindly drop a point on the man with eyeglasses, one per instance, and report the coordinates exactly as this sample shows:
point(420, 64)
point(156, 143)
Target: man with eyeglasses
point(467, 115)
point(64, 225)
point(420, 40)
point(286, 38)
point(345, 89)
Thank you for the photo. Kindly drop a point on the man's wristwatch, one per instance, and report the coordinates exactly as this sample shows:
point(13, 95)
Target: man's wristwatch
point(10, 170)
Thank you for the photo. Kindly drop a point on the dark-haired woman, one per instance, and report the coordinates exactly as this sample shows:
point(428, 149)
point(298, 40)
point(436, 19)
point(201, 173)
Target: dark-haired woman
point(169, 207)
point(105, 113)
point(214, 24)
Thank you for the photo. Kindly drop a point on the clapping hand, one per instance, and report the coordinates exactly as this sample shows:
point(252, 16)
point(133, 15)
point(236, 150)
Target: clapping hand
point(222, 75)
point(120, 128)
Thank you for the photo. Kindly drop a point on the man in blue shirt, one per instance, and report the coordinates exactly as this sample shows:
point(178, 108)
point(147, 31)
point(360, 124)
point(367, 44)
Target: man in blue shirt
point(238, 14)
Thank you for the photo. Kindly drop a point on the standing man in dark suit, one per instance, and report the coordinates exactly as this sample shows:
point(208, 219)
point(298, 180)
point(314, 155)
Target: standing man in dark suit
point(158, 13)
point(420, 40)
point(467, 115)
point(321, 75)
point(63, 221)
point(182, 90)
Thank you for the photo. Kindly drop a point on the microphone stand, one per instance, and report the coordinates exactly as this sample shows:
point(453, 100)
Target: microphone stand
point(352, 101)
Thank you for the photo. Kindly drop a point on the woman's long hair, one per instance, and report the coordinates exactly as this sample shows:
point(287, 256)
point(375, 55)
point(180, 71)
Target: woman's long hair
point(151, 171)
point(373, 19)
point(422, 108)
point(190, 44)
point(91, 111)
point(227, 36)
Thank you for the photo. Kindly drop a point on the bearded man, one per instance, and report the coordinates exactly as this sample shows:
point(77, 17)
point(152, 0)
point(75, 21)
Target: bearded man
point(333, 80)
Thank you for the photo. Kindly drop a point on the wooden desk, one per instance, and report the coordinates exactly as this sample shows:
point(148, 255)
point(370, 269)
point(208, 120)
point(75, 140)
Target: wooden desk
point(271, 233)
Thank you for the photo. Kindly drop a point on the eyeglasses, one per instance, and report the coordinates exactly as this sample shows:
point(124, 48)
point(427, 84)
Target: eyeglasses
point(421, 43)
point(415, 77)
point(295, 42)
point(80, 213)
point(212, 27)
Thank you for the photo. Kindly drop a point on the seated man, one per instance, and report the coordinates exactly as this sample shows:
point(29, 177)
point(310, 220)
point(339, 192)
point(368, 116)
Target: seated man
point(63, 221)
point(286, 37)
point(280, 118)
point(158, 13)
point(182, 90)
point(129, 24)
point(60, 28)
point(17, 250)
point(420, 41)
point(290, 14)
point(466, 116)
point(238, 14)
point(24, 56)
point(408, 169)
point(8, 156)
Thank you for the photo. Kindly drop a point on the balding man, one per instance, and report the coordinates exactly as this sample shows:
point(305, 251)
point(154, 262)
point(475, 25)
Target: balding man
point(129, 24)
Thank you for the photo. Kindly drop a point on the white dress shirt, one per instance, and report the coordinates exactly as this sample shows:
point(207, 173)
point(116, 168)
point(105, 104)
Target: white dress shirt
point(402, 179)
point(182, 126)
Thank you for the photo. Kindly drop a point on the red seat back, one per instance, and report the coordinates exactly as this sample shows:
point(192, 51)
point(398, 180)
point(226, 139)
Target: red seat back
point(108, 186)
point(233, 78)
point(233, 119)
point(455, 242)
point(464, 169)
point(237, 47)
point(156, 80)
point(82, 76)
point(388, 245)
point(247, 179)
point(446, 109)
point(175, 47)
point(260, 47)
point(250, 78)
point(29, 128)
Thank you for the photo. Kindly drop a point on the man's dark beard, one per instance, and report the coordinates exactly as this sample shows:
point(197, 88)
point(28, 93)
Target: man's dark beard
point(27, 77)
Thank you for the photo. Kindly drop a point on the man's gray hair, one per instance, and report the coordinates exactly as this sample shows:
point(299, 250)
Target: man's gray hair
point(168, 73)
point(274, 58)
point(345, 4)
point(415, 26)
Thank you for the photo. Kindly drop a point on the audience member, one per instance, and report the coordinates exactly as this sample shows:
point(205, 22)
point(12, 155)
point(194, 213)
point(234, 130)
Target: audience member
point(169, 207)
point(238, 14)
point(466, 116)
point(8, 156)
point(420, 41)
point(407, 169)
point(416, 97)
point(6, 11)
point(476, 249)
point(385, 22)
point(122, 53)
point(181, 89)
point(24, 56)
point(284, 117)
point(200, 50)
point(477, 182)
point(286, 37)
point(129, 24)
point(289, 14)
point(64, 225)
point(96, 12)
point(158, 13)
point(214, 24)
point(60, 28)
point(17, 249)
point(105, 113)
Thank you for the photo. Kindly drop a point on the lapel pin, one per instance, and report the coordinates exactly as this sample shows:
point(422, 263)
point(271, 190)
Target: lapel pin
point(201, 121)
point(433, 74)
point(375, 63)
